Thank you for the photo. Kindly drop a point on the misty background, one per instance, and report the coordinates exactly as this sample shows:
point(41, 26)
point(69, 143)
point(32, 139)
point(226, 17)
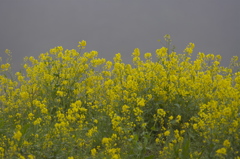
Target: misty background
point(31, 27)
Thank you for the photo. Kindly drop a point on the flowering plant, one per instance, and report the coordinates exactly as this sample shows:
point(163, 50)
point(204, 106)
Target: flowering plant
point(68, 104)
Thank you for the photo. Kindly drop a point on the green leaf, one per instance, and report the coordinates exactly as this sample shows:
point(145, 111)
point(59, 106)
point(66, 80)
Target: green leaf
point(149, 157)
point(177, 105)
point(186, 148)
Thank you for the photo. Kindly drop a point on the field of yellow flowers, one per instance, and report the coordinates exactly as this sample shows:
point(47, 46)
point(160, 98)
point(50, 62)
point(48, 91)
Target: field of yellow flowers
point(73, 105)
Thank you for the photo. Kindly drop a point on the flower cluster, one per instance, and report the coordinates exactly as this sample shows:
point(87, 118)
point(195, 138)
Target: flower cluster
point(68, 104)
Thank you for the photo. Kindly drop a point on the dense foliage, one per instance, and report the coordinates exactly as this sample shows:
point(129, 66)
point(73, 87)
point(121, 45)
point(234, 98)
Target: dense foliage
point(68, 104)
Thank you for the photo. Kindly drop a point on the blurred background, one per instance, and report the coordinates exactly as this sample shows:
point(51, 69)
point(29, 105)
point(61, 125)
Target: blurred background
point(31, 27)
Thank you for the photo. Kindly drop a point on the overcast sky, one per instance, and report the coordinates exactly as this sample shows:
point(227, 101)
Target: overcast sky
point(31, 27)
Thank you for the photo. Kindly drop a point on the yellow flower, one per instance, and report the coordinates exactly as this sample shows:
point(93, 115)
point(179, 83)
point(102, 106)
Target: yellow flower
point(60, 93)
point(222, 151)
point(117, 58)
point(2, 152)
point(30, 116)
point(37, 121)
point(5, 66)
point(140, 102)
point(125, 108)
point(171, 117)
point(147, 55)
point(95, 121)
point(167, 133)
point(93, 152)
point(17, 135)
point(136, 52)
point(137, 111)
point(31, 157)
point(178, 118)
point(25, 143)
point(167, 37)
point(91, 131)
point(82, 44)
point(189, 48)
point(108, 65)
point(7, 51)
point(24, 95)
point(115, 156)
point(144, 125)
point(21, 157)
point(44, 110)
point(161, 112)
point(106, 141)
point(226, 143)
point(18, 127)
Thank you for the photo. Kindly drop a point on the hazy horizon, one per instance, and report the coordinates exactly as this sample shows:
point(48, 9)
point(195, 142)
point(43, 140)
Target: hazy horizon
point(31, 27)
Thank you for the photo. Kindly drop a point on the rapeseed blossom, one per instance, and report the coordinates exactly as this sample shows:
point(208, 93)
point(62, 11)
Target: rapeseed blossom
point(70, 104)
point(17, 135)
point(222, 151)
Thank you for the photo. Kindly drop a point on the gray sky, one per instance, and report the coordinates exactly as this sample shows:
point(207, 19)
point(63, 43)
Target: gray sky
point(31, 27)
